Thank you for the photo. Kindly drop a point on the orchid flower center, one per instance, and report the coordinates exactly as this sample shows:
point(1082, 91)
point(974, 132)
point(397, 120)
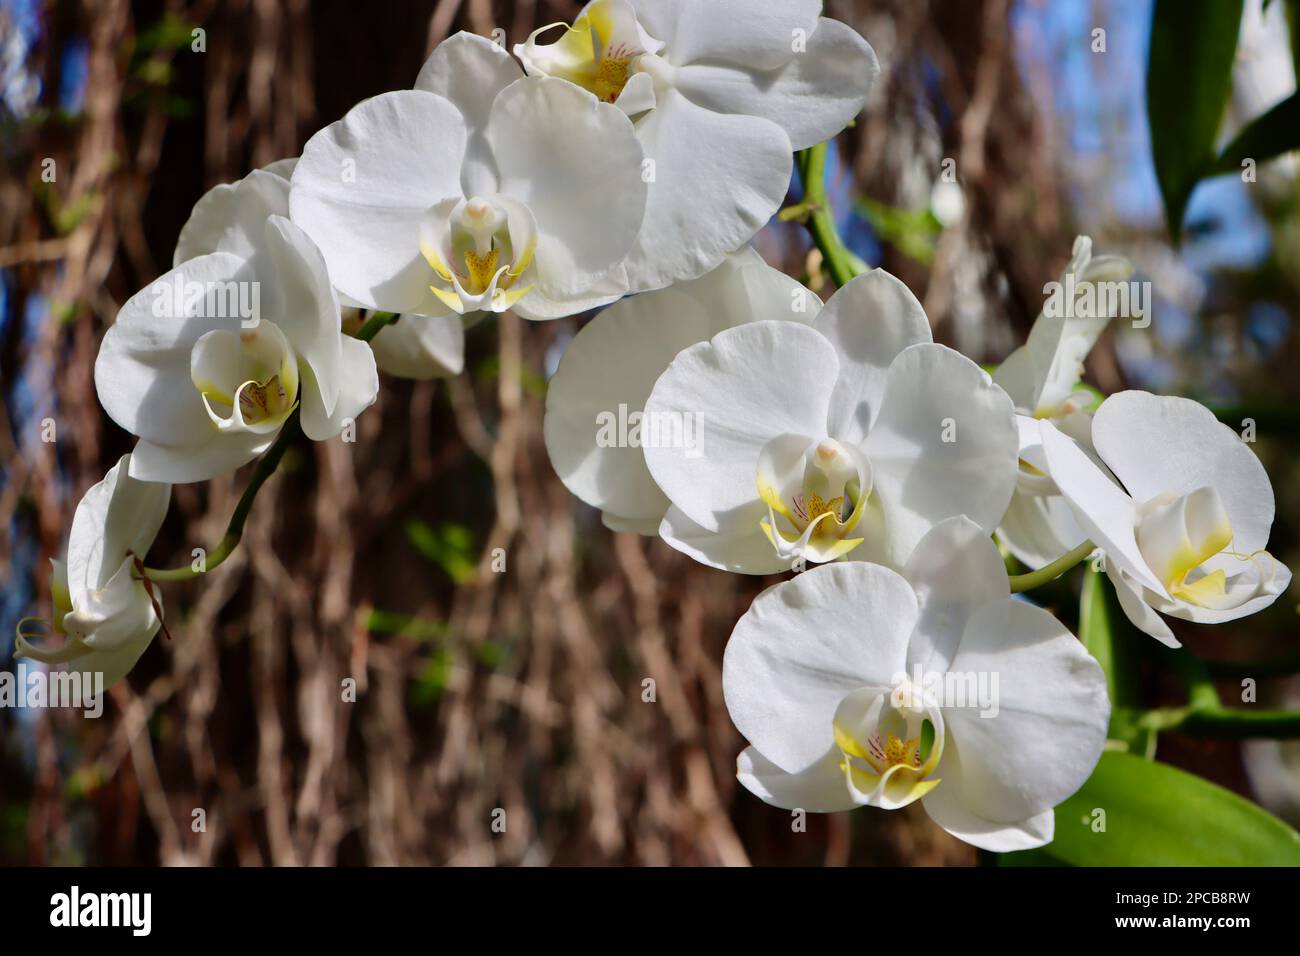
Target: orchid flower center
point(890, 744)
point(1074, 402)
point(478, 248)
point(248, 380)
point(816, 493)
point(1186, 541)
point(612, 72)
point(600, 52)
point(883, 755)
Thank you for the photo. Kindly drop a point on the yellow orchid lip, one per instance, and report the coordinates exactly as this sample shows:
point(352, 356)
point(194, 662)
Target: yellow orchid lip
point(478, 249)
point(248, 380)
point(883, 756)
point(1179, 535)
point(599, 52)
point(612, 74)
point(814, 516)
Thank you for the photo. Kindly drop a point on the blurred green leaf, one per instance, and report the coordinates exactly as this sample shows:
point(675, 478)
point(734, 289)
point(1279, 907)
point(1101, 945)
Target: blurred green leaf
point(1189, 76)
point(13, 829)
point(490, 368)
point(168, 33)
point(158, 72)
point(178, 107)
point(1094, 627)
point(1158, 815)
point(432, 679)
point(913, 233)
point(450, 546)
point(1104, 631)
point(491, 654)
point(65, 217)
point(404, 625)
point(1272, 134)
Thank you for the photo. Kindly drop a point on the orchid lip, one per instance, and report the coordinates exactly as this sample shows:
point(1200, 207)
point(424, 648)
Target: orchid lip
point(1187, 542)
point(71, 649)
point(247, 380)
point(884, 756)
point(478, 249)
point(816, 493)
point(600, 52)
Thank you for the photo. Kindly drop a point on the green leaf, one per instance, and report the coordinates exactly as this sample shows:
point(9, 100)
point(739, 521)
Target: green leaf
point(169, 33)
point(405, 625)
point(1097, 635)
point(433, 679)
point(1158, 815)
point(1272, 134)
point(1189, 76)
point(1105, 632)
point(450, 546)
point(913, 233)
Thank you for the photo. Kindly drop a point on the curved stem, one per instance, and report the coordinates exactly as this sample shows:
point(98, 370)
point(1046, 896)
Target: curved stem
point(816, 211)
point(290, 433)
point(1222, 722)
point(1205, 715)
point(373, 325)
point(1202, 695)
point(1033, 579)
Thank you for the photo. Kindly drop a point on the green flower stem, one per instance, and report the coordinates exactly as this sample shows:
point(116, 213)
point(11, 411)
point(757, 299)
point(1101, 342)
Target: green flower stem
point(1205, 715)
point(373, 324)
point(1033, 579)
point(1222, 722)
point(816, 212)
point(1202, 695)
point(289, 434)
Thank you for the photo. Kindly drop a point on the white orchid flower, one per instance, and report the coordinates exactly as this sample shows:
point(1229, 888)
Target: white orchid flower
point(852, 435)
point(479, 190)
point(1184, 528)
point(858, 686)
point(722, 93)
point(206, 364)
point(104, 610)
point(1043, 378)
point(230, 218)
point(595, 402)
